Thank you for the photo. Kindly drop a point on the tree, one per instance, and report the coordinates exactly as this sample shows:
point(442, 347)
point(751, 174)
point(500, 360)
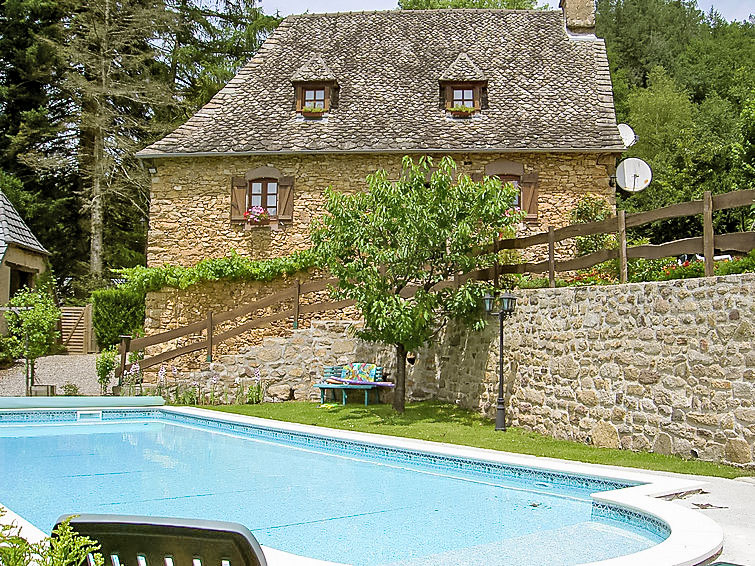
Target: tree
point(412, 234)
point(208, 43)
point(33, 325)
point(438, 4)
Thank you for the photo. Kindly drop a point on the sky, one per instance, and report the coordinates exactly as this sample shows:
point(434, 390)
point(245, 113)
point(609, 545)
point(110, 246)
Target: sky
point(729, 9)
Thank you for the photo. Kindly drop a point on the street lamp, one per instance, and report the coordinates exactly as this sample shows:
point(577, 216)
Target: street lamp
point(507, 304)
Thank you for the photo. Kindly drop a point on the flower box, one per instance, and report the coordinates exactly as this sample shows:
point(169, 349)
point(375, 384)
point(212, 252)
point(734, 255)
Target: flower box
point(312, 115)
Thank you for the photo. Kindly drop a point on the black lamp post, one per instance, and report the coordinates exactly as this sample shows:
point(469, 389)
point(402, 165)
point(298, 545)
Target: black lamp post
point(507, 304)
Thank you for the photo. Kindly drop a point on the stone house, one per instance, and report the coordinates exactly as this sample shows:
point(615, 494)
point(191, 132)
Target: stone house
point(22, 257)
point(329, 98)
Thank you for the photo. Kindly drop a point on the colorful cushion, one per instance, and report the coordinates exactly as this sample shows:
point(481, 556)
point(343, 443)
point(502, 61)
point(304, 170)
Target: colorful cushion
point(359, 372)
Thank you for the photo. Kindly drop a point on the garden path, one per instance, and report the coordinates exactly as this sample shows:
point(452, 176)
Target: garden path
point(54, 370)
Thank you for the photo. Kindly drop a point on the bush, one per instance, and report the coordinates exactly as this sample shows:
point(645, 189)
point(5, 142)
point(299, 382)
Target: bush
point(65, 548)
point(116, 312)
point(105, 365)
point(592, 209)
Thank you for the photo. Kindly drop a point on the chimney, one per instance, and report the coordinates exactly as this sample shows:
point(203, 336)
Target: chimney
point(579, 15)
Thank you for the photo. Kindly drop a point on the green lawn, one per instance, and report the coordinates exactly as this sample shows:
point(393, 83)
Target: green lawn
point(447, 423)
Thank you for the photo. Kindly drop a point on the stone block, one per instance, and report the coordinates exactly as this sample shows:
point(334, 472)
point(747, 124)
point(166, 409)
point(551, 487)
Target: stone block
point(702, 419)
point(738, 451)
point(604, 434)
point(663, 444)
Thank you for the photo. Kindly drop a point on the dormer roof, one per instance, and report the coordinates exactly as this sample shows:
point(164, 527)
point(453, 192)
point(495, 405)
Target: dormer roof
point(463, 69)
point(546, 90)
point(314, 70)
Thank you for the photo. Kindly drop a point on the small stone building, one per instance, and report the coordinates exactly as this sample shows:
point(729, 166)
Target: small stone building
point(22, 257)
point(329, 98)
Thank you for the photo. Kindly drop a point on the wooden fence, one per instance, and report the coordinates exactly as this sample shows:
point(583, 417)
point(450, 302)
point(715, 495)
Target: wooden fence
point(705, 245)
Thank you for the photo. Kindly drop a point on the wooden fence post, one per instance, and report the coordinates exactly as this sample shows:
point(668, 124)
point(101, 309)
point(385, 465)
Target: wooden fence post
point(209, 336)
point(123, 349)
point(297, 301)
point(495, 265)
point(551, 257)
point(708, 238)
point(621, 219)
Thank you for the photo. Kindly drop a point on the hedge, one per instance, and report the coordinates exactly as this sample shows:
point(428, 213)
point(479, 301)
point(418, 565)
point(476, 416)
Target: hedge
point(115, 312)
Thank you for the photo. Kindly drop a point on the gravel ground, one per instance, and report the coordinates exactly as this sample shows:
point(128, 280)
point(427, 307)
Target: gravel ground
point(54, 370)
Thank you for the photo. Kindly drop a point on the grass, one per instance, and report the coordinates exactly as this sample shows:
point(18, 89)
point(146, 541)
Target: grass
point(448, 423)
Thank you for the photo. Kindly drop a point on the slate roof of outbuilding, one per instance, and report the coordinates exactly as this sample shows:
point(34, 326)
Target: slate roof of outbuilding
point(13, 230)
point(546, 90)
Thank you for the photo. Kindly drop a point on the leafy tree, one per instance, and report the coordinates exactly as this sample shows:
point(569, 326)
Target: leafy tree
point(591, 208)
point(438, 4)
point(412, 233)
point(34, 330)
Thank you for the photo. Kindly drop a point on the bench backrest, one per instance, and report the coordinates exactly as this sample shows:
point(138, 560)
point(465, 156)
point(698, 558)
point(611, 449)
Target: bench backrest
point(335, 372)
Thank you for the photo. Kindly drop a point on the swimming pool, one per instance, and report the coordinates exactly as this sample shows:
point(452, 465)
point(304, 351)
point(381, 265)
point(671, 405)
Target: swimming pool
point(340, 497)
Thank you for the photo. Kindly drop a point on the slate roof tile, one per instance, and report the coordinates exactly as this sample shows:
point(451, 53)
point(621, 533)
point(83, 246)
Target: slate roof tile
point(13, 230)
point(546, 90)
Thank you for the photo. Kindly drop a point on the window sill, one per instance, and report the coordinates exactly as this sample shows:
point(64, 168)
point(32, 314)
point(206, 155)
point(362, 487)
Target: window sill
point(273, 224)
point(460, 114)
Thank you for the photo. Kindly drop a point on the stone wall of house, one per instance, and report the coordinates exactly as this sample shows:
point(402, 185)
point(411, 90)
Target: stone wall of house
point(190, 197)
point(665, 366)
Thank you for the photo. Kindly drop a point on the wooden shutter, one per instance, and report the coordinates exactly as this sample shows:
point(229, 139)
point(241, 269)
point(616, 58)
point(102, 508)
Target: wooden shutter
point(528, 185)
point(238, 198)
point(286, 198)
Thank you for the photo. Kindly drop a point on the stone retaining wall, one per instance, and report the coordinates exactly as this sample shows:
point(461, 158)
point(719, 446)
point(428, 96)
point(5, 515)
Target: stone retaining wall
point(665, 366)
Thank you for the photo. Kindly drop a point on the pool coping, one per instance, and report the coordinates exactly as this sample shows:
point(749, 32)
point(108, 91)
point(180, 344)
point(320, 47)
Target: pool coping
point(693, 537)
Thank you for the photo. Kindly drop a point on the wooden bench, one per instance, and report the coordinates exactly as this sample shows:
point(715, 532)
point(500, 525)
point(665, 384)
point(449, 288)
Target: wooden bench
point(334, 373)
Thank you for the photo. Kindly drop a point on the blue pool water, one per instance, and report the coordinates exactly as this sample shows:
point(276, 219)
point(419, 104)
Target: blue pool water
point(326, 504)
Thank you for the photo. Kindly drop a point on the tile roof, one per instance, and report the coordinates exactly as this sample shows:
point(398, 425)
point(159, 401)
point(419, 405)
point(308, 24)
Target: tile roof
point(313, 70)
point(546, 90)
point(463, 69)
point(13, 230)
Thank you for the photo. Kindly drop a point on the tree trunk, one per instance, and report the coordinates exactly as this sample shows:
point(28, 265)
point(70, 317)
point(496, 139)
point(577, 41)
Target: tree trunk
point(399, 391)
point(97, 210)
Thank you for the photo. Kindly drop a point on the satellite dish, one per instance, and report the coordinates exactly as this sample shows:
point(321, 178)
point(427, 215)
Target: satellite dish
point(627, 135)
point(633, 174)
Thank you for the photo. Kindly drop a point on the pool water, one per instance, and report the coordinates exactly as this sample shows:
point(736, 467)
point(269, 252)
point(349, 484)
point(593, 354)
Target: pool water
point(321, 504)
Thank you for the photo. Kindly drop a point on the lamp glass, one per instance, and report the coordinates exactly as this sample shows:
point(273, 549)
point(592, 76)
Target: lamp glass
point(488, 300)
point(508, 303)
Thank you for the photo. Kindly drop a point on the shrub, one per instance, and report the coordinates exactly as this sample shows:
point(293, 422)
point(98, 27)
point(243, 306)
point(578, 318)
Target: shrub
point(70, 389)
point(740, 265)
point(592, 209)
point(105, 366)
point(116, 312)
point(65, 548)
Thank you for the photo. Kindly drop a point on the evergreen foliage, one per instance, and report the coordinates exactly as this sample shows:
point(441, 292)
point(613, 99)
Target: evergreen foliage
point(117, 312)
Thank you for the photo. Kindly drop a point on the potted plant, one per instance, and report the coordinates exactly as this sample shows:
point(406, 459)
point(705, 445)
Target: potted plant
point(315, 112)
point(461, 111)
point(255, 216)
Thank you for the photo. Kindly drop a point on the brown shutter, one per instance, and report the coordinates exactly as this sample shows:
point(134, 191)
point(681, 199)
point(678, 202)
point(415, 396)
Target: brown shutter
point(529, 199)
point(286, 198)
point(238, 198)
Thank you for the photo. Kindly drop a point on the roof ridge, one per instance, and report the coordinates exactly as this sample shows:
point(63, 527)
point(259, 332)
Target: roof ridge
point(427, 10)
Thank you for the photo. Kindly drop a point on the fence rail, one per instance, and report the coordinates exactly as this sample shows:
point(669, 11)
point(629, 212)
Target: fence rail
point(704, 245)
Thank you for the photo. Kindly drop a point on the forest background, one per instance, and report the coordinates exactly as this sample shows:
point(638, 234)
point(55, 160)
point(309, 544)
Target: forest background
point(84, 84)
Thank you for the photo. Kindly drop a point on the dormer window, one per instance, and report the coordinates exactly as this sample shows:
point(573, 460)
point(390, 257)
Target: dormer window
point(463, 88)
point(316, 88)
point(463, 97)
point(314, 98)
